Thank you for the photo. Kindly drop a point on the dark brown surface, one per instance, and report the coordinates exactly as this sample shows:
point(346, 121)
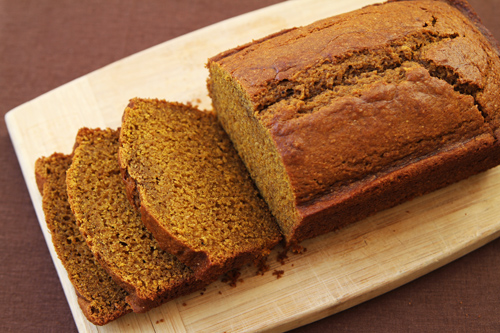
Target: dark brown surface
point(44, 44)
point(321, 100)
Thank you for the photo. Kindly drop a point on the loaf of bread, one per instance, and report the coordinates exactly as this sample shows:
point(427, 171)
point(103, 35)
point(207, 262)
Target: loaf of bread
point(114, 231)
point(192, 189)
point(99, 297)
point(360, 112)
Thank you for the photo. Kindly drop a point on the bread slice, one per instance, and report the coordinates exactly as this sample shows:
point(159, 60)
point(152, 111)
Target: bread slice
point(362, 111)
point(114, 231)
point(99, 297)
point(193, 191)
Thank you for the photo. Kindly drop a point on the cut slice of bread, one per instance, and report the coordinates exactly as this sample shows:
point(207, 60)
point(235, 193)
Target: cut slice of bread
point(99, 297)
point(192, 189)
point(114, 230)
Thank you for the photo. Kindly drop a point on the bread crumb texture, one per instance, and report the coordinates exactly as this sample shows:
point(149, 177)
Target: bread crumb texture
point(192, 181)
point(113, 229)
point(100, 298)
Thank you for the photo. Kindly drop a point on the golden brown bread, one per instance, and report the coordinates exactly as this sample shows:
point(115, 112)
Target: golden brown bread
point(361, 111)
point(192, 189)
point(99, 297)
point(114, 231)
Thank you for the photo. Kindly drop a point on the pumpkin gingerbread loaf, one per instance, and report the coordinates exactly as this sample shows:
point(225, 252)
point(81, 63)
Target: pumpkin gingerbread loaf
point(360, 112)
point(99, 297)
point(192, 189)
point(114, 231)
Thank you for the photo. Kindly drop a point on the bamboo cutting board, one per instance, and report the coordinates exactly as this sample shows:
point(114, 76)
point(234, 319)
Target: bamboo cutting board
point(338, 270)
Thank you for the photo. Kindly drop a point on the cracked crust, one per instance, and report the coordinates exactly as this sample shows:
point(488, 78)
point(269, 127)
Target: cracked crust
point(362, 96)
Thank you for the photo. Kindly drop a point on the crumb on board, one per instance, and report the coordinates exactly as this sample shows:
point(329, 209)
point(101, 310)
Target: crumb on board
point(232, 277)
point(262, 266)
point(278, 273)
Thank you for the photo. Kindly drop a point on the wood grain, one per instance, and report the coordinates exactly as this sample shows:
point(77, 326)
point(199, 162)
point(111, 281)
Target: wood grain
point(338, 270)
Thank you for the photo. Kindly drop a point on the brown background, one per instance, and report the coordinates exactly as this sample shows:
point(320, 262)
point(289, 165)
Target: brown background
point(46, 43)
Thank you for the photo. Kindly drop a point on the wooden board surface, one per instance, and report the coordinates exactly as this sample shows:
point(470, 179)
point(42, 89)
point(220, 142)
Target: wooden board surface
point(339, 270)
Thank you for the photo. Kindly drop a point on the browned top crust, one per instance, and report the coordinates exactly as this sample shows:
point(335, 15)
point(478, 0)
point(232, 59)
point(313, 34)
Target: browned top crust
point(292, 54)
point(350, 95)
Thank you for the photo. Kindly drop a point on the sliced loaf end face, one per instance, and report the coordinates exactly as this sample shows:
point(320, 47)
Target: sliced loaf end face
point(320, 111)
